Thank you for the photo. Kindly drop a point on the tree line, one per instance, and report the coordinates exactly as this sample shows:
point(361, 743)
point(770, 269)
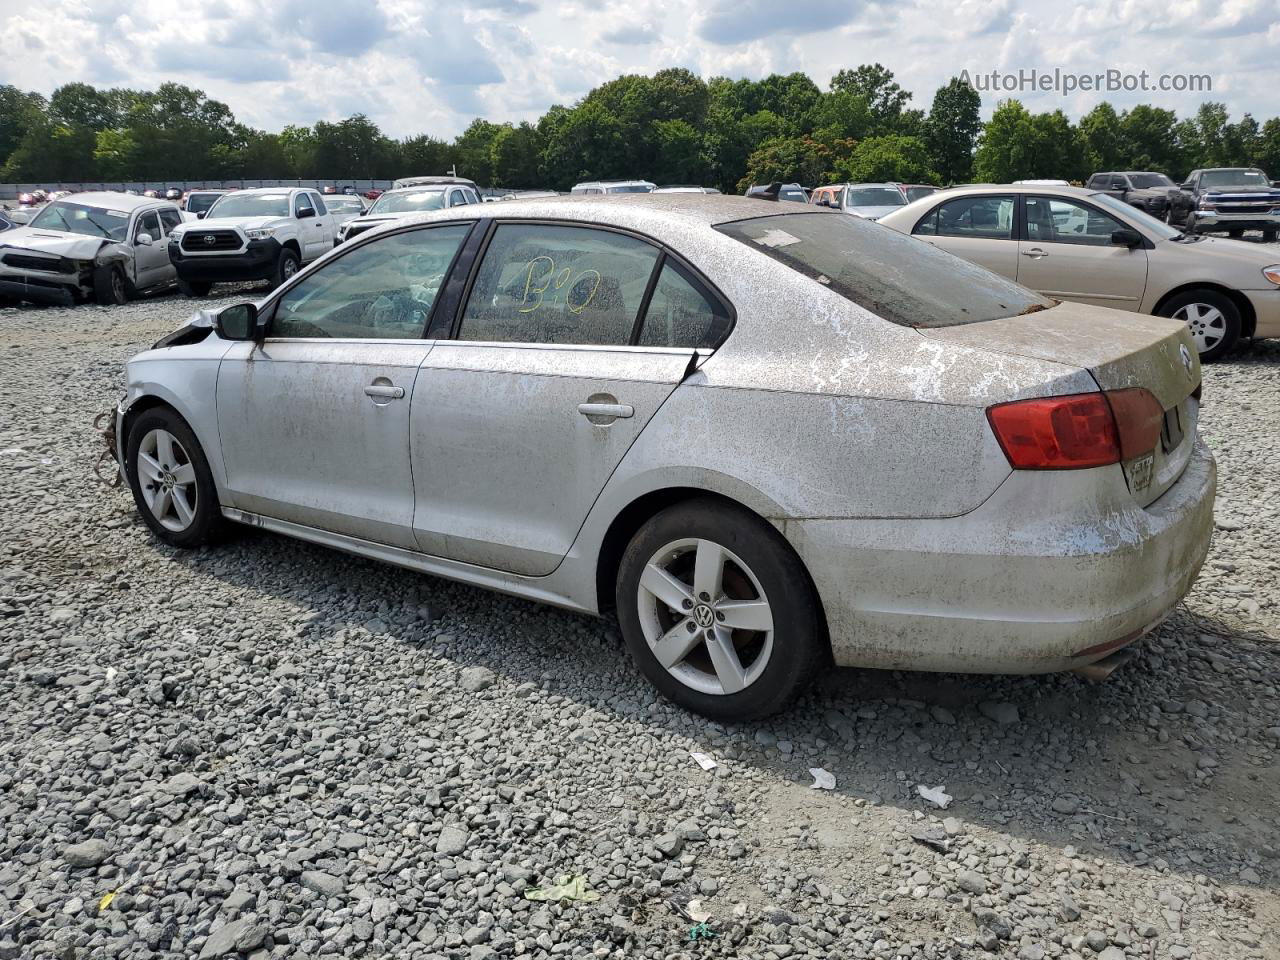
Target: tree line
point(672, 127)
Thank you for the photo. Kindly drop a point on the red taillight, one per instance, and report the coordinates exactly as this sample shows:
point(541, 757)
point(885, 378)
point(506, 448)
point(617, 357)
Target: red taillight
point(1056, 433)
point(1077, 431)
point(1139, 419)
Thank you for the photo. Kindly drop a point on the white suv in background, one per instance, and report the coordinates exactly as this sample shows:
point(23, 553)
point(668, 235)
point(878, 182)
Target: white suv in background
point(262, 234)
point(613, 186)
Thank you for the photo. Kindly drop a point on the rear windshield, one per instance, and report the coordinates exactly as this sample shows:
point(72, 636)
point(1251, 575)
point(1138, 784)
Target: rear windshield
point(904, 280)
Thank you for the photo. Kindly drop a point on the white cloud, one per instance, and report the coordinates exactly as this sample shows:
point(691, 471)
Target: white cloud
point(430, 66)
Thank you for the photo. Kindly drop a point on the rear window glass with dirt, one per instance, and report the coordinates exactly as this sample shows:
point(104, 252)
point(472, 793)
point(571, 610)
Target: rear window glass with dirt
point(904, 280)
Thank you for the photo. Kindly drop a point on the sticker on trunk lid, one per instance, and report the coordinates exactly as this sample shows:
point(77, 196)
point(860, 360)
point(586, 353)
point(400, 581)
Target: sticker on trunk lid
point(1140, 471)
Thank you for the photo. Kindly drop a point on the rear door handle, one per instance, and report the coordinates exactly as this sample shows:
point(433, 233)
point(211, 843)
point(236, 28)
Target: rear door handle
point(388, 391)
point(1035, 253)
point(616, 410)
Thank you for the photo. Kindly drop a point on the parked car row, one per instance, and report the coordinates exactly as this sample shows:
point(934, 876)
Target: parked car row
point(1230, 199)
point(581, 378)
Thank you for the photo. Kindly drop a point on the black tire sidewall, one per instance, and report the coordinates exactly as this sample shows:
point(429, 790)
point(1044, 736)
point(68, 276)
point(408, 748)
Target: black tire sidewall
point(194, 288)
point(799, 641)
point(279, 277)
point(208, 515)
point(1229, 311)
point(104, 289)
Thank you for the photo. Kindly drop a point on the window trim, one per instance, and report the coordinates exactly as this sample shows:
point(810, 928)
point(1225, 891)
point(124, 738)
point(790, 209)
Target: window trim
point(137, 225)
point(272, 303)
point(641, 313)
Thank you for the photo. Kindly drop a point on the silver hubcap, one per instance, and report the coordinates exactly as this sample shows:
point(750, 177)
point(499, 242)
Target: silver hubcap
point(167, 479)
point(1207, 324)
point(705, 616)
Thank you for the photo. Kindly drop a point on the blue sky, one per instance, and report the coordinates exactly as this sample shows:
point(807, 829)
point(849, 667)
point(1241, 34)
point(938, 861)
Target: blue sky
point(426, 66)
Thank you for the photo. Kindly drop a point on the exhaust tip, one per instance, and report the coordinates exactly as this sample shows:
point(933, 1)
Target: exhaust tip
point(1100, 670)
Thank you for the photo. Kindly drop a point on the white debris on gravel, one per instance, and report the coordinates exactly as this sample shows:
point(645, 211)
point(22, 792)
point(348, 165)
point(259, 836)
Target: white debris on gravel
point(220, 737)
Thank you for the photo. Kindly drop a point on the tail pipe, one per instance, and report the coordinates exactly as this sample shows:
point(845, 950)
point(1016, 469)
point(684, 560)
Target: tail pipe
point(1099, 670)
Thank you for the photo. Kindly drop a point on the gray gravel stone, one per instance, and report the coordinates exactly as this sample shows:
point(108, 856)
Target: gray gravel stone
point(452, 841)
point(87, 854)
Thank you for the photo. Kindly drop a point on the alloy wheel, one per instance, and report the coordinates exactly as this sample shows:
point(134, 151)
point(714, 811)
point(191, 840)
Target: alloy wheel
point(1206, 322)
point(289, 268)
point(705, 616)
point(167, 479)
point(117, 286)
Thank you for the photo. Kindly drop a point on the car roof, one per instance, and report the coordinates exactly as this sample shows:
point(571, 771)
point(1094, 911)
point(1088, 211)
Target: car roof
point(1044, 188)
point(127, 202)
point(273, 190)
point(636, 210)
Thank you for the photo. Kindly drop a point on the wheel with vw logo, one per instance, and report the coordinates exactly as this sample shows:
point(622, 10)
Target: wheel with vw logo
point(718, 611)
point(170, 479)
point(1212, 318)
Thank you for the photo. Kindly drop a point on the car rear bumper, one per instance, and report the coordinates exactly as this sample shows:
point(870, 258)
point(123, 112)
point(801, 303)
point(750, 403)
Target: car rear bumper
point(1266, 310)
point(1046, 575)
point(256, 262)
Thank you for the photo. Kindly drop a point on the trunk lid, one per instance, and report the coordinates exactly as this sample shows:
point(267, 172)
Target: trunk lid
point(1121, 350)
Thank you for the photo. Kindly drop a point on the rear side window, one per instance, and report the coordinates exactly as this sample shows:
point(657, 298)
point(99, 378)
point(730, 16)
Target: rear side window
point(894, 276)
point(547, 283)
point(982, 218)
point(682, 313)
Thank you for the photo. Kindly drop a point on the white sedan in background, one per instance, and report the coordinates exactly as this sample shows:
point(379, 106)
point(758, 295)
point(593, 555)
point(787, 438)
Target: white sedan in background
point(767, 436)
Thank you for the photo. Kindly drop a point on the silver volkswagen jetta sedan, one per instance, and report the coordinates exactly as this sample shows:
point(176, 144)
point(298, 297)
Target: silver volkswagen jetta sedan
point(768, 437)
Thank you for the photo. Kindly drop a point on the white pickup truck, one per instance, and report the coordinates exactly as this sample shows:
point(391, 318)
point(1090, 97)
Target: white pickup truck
point(262, 234)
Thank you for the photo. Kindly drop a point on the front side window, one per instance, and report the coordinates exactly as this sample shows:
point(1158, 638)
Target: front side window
point(302, 206)
point(1051, 220)
point(681, 313)
point(383, 289)
point(988, 217)
point(149, 224)
point(919, 193)
point(892, 275)
point(552, 283)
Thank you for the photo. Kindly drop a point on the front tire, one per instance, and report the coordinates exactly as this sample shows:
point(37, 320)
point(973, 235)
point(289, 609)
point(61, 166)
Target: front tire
point(109, 286)
point(1269, 236)
point(287, 264)
point(170, 479)
point(1214, 321)
point(718, 611)
point(194, 288)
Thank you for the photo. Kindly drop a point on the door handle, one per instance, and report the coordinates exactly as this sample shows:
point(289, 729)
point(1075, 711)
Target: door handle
point(1035, 253)
point(384, 390)
point(612, 410)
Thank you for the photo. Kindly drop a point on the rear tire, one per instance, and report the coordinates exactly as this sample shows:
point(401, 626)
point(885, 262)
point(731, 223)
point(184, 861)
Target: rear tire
point(1235, 234)
point(110, 288)
point(194, 288)
point(737, 632)
point(1269, 236)
point(1214, 321)
point(170, 479)
point(287, 264)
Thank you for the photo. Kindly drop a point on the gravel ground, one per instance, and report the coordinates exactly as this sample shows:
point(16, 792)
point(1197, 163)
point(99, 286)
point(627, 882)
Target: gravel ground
point(272, 750)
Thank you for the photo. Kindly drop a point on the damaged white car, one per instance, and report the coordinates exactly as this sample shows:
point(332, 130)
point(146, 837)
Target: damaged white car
point(97, 247)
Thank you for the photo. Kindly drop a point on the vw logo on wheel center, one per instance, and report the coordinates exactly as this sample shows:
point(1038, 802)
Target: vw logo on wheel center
point(703, 615)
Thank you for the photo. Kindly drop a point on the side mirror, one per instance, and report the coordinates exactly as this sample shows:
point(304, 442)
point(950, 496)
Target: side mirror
point(144, 240)
point(306, 212)
point(237, 322)
point(1119, 185)
point(1189, 185)
point(1124, 237)
point(200, 214)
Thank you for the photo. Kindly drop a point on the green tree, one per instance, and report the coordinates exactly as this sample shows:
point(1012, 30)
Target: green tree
point(19, 113)
point(789, 160)
point(352, 148)
point(514, 156)
point(952, 129)
point(1104, 141)
point(1151, 141)
point(841, 115)
point(1267, 153)
point(425, 156)
point(1006, 149)
point(874, 83)
point(889, 158)
point(115, 154)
